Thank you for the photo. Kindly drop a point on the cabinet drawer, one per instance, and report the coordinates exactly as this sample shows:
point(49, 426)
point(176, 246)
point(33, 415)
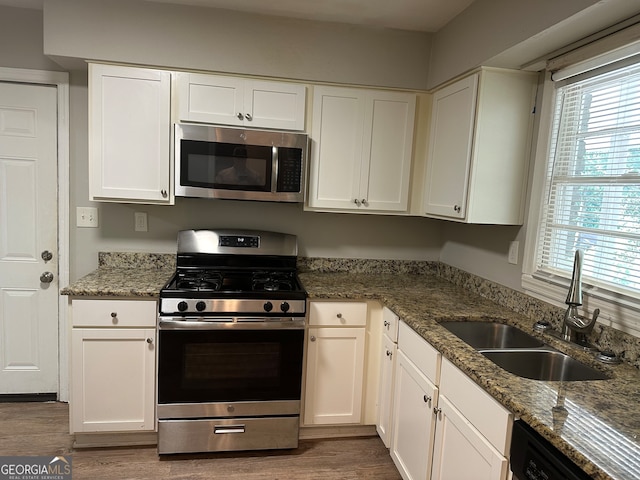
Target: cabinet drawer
point(390, 324)
point(423, 355)
point(347, 314)
point(114, 313)
point(491, 419)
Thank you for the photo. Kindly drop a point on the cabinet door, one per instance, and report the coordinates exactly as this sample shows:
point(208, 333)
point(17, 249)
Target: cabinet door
point(385, 392)
point(387, 151)
point(335, 374)
point(274, 105)
point(457, 439)
point(413, 420)
point(211, 99)
point(451, 141)
point(336, 156)
point(112, 379)
point(129, 134)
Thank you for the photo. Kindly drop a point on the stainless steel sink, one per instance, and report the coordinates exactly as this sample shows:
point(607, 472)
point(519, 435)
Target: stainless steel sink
point(520, 353)
point(547, 365)
point(487, 334)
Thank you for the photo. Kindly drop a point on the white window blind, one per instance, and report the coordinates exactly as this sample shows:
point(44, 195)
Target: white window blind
point(592, 188)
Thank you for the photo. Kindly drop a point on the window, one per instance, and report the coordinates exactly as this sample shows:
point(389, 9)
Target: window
point(591, 188)
point(592, 197)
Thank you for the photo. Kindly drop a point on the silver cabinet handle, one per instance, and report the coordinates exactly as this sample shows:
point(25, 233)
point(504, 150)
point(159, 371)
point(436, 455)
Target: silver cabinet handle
point(149, 341)
point(248, 116)
point(46, 277)
point(240, 116)
point(163, 192)
point(46, 255)
point(339, 315)
point(313, 339)
point(457, 208)
point(426, 399)
point(364, 202)
point(437, 410)
point(114, 314)
point(389, 354)
point(387, 324)
point(357, 202)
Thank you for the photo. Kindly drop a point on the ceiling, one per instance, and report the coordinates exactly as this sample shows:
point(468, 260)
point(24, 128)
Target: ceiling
point(417, 15)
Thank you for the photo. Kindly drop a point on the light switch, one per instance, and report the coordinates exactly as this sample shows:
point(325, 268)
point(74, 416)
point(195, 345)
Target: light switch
point(513, 252)
point(87, 217)
point(140, 219)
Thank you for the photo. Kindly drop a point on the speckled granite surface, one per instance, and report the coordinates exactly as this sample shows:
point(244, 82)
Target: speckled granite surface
point(125, 275)
point(595, 423)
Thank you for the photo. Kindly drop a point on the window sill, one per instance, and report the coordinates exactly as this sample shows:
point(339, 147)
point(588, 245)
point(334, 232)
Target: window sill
point(616, 311)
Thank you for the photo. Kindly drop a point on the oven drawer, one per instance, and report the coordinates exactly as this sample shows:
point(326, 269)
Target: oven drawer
point(220, 435)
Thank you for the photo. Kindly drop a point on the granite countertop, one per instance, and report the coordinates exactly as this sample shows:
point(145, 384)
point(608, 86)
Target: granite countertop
point(595, 423)
point(125, 275)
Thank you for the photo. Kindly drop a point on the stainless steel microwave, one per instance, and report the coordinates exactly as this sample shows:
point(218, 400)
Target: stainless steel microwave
point(243, 164)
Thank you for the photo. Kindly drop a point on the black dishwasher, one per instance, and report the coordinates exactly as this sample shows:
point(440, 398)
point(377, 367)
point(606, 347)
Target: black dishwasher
point(535, 458)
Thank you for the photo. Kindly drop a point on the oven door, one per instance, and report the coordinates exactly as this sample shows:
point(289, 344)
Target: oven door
point(214, 369)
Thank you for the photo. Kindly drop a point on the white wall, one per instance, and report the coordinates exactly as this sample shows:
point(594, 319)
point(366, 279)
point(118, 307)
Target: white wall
point(21, 40)
point(502, 33)
point(184, 37)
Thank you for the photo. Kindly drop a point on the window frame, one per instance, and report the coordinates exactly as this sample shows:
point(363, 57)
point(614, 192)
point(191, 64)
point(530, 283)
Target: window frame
point(619, 311)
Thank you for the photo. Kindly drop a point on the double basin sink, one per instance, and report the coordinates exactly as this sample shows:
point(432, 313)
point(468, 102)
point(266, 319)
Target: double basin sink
point(520, 353)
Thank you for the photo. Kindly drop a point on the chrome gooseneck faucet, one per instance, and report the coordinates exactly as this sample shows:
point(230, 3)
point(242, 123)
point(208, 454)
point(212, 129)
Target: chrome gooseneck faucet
point(575, 324)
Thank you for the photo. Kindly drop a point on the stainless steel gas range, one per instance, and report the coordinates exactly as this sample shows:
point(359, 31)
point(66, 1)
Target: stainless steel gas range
point(230, 343)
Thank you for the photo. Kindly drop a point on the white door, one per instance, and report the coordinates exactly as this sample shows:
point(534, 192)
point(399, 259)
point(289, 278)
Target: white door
point(336, 159)
point(28, 229)
point(451, 141)
point(413, 420)
point(335, 376)
point(456, 439)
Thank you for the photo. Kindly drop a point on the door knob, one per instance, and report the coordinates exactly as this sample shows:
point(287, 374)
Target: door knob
point(46, 277)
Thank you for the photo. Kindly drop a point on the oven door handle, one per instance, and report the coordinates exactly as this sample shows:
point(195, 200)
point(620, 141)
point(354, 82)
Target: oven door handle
point(178, 323)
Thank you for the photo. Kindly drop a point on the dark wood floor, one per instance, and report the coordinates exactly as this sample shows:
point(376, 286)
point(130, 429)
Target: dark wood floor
point(42, 429)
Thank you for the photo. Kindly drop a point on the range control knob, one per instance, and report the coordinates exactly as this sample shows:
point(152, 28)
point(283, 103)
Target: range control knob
point(268, 306)
point(182, 306)
point(200, 306)
point(284, 306)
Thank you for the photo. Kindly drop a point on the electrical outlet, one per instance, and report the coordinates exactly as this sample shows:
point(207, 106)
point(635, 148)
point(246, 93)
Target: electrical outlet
point(140, 220)
point(513, 252)
point(87, 217)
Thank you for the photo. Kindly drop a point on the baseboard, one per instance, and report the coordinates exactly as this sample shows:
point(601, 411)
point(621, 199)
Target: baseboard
point(97, 440)
point(337, 431)
point(28, 397)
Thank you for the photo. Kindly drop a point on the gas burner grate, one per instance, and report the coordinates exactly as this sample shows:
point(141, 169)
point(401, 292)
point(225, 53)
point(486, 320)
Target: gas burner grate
point(273, 281)
point(200, 280)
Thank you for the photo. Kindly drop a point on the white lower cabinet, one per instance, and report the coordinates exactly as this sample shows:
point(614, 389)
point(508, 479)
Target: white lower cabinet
point(334, 380)
point(457, 439)
point(388, 355)
point(113, 366)
point(445, 426)
point(414, 420)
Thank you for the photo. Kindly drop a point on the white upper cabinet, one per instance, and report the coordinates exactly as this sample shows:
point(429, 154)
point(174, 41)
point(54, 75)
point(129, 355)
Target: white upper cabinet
point(240, 101)
point(361, 150)
point(129, 134)
point(479, 146)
